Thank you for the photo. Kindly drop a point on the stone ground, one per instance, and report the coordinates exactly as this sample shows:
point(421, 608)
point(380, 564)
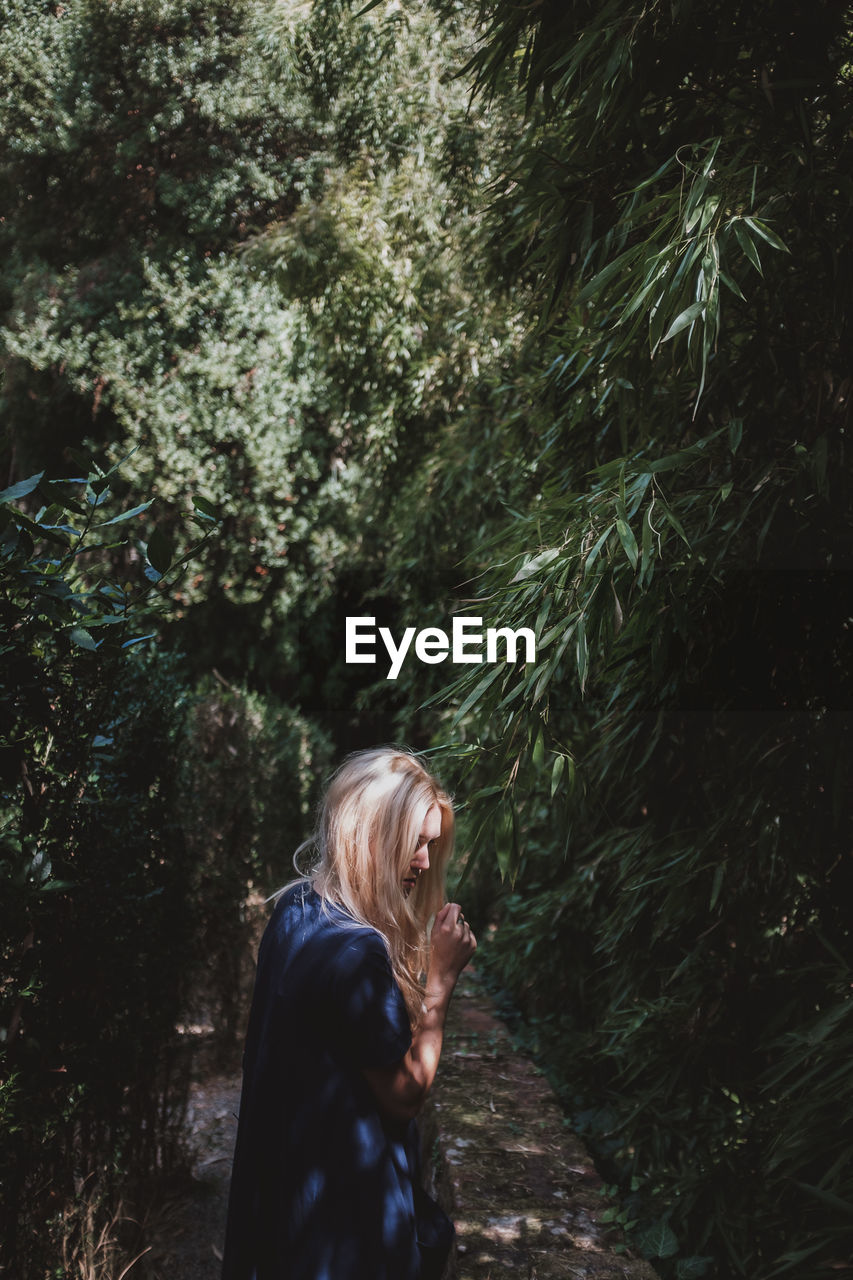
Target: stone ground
point(524, 1194)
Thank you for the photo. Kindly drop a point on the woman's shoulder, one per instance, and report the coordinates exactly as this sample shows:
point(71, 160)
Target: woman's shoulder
point(311, 939)
point(292, 895)
point(301, 910)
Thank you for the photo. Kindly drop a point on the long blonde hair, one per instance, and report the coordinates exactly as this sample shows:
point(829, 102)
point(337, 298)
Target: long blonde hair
point(366, 836)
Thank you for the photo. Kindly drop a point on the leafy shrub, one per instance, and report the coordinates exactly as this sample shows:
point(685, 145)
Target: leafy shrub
point(94, 929)
point(252, 776)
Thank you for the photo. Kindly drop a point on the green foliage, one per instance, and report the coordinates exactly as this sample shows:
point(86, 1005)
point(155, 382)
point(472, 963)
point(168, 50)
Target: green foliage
point(164, 133)
point(92, 857)
point(147, 120)
point(302, 381)
point(134, 816)
point(252, 779)
point(661, 791)
point(191, 368)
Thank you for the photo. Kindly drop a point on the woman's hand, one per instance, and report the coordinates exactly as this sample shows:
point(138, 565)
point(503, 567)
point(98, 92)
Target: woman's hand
point(400, 1089)
point(452, 943)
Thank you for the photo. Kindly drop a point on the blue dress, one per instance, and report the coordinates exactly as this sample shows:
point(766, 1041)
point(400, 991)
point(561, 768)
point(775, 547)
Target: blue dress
point(324, 1188)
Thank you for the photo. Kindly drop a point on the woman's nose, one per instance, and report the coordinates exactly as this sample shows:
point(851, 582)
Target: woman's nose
point(421, 858)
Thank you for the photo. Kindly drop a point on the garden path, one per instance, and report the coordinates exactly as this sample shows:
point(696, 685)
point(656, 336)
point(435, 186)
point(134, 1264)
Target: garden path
point(525, 1196)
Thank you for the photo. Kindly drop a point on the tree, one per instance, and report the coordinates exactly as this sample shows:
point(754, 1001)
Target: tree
point(268, 307)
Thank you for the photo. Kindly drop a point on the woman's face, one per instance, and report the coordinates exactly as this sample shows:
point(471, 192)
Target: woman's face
point(430, 830)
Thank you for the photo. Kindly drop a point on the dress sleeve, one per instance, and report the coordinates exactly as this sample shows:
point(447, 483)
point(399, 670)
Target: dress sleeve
point(373, 1019)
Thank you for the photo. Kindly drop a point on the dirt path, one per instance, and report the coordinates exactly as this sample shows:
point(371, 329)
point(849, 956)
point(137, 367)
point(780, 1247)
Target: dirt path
point(188, 1243)
point(525, 1195)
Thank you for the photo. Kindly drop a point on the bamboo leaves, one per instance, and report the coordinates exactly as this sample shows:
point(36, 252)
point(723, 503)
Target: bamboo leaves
point(629, 542)
point(692, 351)
point(681, 256)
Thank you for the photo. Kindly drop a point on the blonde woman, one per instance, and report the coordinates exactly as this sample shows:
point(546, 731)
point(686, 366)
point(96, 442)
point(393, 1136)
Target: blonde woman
point(344, 1039)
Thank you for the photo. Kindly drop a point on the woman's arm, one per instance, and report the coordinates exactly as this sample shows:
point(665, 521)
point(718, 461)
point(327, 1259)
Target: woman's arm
point(401, 1089)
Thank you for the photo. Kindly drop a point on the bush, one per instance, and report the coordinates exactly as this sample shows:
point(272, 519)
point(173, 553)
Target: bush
point(252, 774)
point(93, 927)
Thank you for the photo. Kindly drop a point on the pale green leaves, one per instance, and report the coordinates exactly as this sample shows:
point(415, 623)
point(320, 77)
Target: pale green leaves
point(691, 244)
point(21, 489)
point(126, 515)
point(83, 639)
point(686, 318)
point(629, 542)
point(582, 589)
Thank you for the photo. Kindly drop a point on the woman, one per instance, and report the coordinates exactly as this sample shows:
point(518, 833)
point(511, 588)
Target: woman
point(344, 1038)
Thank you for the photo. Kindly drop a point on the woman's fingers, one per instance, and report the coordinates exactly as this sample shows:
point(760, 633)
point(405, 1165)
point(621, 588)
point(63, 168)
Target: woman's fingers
point(451, 912)
point(452, 939)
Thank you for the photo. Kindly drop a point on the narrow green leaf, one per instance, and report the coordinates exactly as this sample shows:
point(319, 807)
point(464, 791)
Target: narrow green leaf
point(80, 636)
point(557, 773)
point(21, 489)
point(719, 872)
point(676, 524)
point(593, 555)
point(103, 619)
point(766, 234)
point(606, 274)
point(535, 563)
point(478, 691)
point(118, 465)
point(126, 515)
point(748, 247)
point(629, 542)
point(642, 294)
point(138, 639)
point(671, 460)
point(504, 841)
point(827, 1197)
point(732, 286)
point(735, 433)
point(582, 653)
point(687, 317)
point(647, 535)
point(484, 792)
point(657, 320)
point(709, 208)
point(542, 616)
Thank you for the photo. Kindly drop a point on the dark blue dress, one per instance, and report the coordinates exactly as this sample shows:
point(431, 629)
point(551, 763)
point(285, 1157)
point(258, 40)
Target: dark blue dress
point(323, 1188)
